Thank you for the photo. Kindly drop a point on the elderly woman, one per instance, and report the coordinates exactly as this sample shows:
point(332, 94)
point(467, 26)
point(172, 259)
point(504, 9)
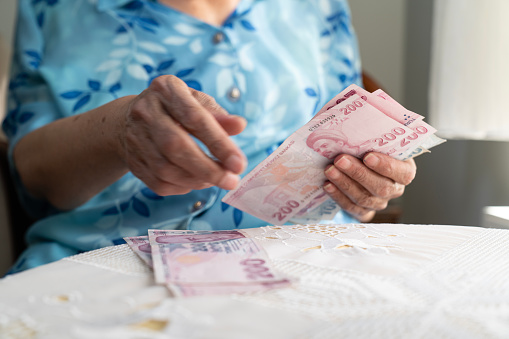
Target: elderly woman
point(127, 115)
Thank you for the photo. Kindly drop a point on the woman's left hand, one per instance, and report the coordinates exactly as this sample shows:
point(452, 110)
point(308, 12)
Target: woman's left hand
point(362, 187)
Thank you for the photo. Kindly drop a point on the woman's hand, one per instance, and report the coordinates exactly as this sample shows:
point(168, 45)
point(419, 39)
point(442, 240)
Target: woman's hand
point(362, 187)
point(158, 145)
point(70, 160)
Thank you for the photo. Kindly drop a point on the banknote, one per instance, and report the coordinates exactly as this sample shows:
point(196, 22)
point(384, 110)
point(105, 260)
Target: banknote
point(395, 110)
point(141, 246)
point(428, 143)
point(379, 99)
point(291, 178)
point(315, 212)
point(194, 263)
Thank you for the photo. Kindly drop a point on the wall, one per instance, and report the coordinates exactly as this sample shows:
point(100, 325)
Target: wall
point(380, 27)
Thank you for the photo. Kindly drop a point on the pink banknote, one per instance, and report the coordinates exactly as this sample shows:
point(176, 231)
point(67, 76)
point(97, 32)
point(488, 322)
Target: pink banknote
point(141, 246)
point(413, 120)
point(379, 99)
point(291, 178)
point(211, 262)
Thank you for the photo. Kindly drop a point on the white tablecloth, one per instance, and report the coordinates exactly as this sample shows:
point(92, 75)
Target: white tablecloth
point(352, 281)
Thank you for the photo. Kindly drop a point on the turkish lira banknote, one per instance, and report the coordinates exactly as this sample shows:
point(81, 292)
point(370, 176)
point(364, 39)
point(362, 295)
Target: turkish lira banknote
point(193, 263)
point(288, 184)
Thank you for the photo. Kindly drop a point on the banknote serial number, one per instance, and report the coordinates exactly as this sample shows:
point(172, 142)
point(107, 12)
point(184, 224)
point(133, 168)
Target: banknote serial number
point(323, 121)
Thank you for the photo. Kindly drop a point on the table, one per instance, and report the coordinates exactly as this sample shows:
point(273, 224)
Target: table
point(352, 281)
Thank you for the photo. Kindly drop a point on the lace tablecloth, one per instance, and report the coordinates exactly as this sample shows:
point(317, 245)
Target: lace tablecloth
point(352, 281)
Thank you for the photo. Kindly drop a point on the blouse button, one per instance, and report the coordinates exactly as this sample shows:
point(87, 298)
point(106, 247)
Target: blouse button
point(218, 37)
point(197, 206)
point(234, 94)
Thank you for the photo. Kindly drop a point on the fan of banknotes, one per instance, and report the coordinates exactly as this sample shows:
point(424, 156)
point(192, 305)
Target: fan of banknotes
point(288, 184)
point(198, 263)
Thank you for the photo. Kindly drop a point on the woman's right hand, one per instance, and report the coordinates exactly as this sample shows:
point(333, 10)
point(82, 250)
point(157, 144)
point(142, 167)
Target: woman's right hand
point(157, 141)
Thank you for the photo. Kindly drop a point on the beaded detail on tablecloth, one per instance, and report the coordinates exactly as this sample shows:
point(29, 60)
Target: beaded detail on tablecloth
point(345, 240)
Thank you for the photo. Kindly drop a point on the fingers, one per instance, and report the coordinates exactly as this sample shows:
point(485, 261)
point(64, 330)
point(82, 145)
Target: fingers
point(363, 186)
point(161, 152)
point(147, 163)
point(232, 124)
point(402, 172)
point(199, 122)
point(346, 203)
point(166, 179)
point(377, 184)
point(179, 149)
point(341, 184)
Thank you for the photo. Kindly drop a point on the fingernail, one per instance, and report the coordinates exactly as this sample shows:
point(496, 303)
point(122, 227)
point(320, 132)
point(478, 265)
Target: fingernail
point(332, 173)
point(343, 163)
point(235, 163)
point(371, 160)
point(329, 187)
point(229, 181)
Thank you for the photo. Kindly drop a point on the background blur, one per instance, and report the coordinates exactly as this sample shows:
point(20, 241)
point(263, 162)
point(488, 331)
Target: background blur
point(454, 182)
point(459, 177)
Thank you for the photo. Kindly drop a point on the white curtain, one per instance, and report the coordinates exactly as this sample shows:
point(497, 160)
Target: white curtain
point(469, 84)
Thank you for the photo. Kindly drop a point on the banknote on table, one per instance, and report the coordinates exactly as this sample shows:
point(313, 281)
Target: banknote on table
point(141, 246)
point(192, 263)
point(288, 184)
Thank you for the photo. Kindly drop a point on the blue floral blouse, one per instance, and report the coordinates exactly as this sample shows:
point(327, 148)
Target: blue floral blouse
point(286, 58)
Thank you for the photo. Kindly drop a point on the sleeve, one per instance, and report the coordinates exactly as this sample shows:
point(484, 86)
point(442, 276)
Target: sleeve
point(29, 102)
